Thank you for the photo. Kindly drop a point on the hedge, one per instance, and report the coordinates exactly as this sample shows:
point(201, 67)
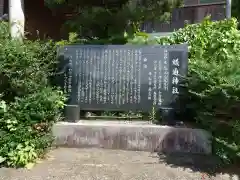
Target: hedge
point(213, 83)
point(28, 104)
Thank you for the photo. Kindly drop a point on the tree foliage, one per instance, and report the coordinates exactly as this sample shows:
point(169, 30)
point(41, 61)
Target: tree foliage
point(236, 9)
point(98, 20)
point(213, 81)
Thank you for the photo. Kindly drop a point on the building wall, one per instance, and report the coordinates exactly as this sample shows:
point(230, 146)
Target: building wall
point(190, 2)
point(210, 1)
point(40, 22)
point(1, 7)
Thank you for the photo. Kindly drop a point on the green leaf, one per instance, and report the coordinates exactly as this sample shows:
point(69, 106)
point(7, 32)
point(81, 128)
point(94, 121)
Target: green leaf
point(3, 106)
point(2, 159)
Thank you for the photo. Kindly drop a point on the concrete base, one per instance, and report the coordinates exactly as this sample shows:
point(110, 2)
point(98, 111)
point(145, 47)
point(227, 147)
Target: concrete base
point(142, 136)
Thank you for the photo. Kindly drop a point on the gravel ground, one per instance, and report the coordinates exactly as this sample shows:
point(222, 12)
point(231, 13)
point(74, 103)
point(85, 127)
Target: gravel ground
point(102, 164)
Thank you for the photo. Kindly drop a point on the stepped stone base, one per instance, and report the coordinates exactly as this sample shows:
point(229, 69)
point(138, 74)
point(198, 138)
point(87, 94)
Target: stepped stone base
point(141, 136)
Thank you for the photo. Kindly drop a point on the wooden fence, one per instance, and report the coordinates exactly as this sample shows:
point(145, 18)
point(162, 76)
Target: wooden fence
point(187, 14)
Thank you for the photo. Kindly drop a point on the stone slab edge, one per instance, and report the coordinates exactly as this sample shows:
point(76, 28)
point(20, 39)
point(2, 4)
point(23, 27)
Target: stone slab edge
point(125, 136)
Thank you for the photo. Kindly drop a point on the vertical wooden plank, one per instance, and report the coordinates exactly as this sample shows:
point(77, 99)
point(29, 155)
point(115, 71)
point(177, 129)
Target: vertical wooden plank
point(1, 7)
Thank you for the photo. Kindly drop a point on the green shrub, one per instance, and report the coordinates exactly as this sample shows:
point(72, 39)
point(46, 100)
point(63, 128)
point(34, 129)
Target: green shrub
point(28, 104)
point(25, 67)
point(213, 79)
point(26, 126)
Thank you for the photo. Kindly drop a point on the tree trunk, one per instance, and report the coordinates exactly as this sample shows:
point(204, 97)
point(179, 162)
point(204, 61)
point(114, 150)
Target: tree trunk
point(16, 19)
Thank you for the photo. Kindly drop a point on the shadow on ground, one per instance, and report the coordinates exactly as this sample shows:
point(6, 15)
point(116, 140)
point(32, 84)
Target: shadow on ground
point(206, 164)
point(199, 162)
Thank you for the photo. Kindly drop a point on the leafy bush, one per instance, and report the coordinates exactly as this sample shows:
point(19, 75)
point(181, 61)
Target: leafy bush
point(103, 20)
point(213, 79)
point(28, 104)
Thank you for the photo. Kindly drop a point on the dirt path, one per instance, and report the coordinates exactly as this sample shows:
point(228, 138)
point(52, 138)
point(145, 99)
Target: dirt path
point(99, 164)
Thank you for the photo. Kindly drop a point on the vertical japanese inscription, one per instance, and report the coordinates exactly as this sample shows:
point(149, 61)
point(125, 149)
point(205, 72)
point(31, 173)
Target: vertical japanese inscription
point(122, 77)
point(78, 56)
point(70, 74)
point(65, 75)
point(165, 70)
point(87, 76)
point(107, 53)
point(175, 71)
point(112, 76)
point(97, 84)
point(101, 77)
point(109, 76)
point(81, 75)
point(135, 76)
point(83, 78)
point(65, 85)
point(90, 62)
point(127, 59)
point(94, 71)
point(125, 65)
point(150, 80)
point(159, 69)
point(139, 67)
point(116, 85)
point(155, 82)
point(130, 72)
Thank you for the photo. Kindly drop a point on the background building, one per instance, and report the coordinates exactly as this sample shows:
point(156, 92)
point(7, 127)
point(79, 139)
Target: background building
point(39, 19)
point(41, 22)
